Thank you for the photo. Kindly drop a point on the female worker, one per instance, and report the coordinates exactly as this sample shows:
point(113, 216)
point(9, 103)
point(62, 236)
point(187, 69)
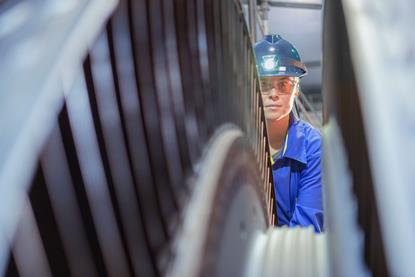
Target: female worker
point(294, 144)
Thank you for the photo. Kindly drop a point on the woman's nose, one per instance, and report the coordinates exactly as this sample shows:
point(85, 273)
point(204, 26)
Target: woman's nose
point(273, 94)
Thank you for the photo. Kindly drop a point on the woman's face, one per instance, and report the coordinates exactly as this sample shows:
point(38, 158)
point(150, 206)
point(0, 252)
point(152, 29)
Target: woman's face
point(278, 94)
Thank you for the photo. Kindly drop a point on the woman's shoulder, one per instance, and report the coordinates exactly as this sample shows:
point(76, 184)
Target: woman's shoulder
point(312, 136)
point(309, 130)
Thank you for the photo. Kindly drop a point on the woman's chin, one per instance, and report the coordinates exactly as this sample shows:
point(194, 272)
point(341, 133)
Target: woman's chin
point(273, 116)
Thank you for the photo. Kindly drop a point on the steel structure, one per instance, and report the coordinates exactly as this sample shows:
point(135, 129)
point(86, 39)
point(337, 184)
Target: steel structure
point(373, 109)
point(110, 118)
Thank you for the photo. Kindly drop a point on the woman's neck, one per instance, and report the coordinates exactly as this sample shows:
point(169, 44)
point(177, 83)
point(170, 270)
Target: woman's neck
point(277, 130)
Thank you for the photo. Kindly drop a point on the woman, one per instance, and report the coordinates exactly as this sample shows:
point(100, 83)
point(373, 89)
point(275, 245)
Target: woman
point(294, 144)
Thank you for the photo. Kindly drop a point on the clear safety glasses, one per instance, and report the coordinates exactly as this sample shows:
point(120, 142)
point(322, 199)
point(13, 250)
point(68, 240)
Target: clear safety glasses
point(283, 86)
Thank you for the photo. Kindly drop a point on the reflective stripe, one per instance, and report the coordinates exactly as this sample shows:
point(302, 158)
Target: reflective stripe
point(286, 143)
point(283, 152)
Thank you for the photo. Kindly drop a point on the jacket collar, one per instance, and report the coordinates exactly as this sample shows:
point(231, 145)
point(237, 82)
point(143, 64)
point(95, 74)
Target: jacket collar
point(295, 143)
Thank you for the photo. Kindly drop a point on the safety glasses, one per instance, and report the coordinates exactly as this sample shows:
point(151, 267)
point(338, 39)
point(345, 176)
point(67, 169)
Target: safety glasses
point(283, 86)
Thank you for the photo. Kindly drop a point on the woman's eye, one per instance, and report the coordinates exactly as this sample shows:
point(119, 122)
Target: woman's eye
point(284, 86)
point(266, 86)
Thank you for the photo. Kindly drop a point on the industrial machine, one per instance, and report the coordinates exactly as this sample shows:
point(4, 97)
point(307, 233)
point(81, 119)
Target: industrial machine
point(133, 142)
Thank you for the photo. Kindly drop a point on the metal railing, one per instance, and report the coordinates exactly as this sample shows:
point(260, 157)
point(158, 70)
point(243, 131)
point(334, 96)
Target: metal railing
point(308, 111)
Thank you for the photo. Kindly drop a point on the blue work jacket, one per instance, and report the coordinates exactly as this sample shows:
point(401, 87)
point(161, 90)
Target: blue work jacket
point(297, 177)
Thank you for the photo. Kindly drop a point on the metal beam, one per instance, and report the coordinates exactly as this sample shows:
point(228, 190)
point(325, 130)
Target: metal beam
point(310, 64)
point(296, 5)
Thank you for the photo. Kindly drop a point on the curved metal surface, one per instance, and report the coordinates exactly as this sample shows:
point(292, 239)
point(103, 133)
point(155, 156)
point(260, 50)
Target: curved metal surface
point(120, 118)
point(381, 38)
point(294, 252)
point(219, 218)
point(34, 88)
point(361, 45)
point(344, 235)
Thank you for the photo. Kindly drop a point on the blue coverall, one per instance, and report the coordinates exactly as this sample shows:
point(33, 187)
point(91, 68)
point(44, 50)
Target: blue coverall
point(297, 177)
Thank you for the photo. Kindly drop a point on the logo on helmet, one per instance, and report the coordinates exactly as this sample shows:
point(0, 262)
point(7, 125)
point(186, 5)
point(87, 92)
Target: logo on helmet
point(269, 62)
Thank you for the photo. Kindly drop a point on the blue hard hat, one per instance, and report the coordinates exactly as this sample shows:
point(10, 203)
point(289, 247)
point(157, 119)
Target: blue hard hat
point(276, 56)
